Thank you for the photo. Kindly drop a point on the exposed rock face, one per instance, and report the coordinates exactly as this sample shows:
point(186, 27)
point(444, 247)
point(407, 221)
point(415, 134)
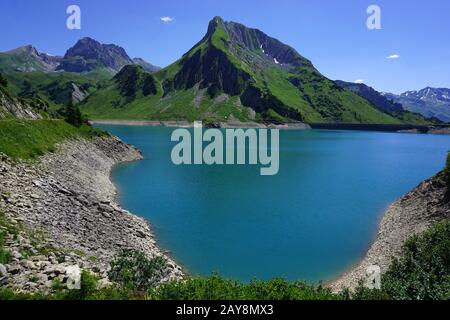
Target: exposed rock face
point(88, 54)
point(78, 94)
point(412, 214)
point(12, 107)
point(276, 51)
point(70, 198)
point(271, 79)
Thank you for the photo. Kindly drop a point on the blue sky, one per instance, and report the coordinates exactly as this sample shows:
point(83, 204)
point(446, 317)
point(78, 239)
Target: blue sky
point(333, 34)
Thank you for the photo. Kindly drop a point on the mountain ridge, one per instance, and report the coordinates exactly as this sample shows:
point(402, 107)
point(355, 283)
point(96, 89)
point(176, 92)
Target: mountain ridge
point(28, 59)
point(383, 103)
point(86, 55)
point(235, 72)
point(232, 73)
point(430, 102)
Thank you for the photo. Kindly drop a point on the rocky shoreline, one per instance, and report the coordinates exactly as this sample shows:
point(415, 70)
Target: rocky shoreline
point(63, 213)
point(224, 125)
point(411, 214)
point(287, 126)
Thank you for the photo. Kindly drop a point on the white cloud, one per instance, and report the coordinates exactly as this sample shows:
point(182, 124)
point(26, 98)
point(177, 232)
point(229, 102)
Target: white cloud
point(359, 81)
point(167, 19)
point(393, 56)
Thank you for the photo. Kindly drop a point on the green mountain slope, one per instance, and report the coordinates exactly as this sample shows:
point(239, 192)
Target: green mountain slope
point(238, 73)
point(27, 59)
point(382, 103)
point(12, 106)
point(56, 89)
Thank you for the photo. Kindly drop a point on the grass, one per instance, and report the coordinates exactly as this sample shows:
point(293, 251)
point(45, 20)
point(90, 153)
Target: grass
point(26, 139)
point(6, 229)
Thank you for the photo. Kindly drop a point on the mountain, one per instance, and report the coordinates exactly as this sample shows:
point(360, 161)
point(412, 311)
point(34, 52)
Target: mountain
point(236, 72)
point(378, 99)
point(384, 103)
point(430, 102)
point(14, 107)
point(147, 66)
point(62, 80)
point(88, 54)
point(28, 59)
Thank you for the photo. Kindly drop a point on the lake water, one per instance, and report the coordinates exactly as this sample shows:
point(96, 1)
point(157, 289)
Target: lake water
point(312, 221)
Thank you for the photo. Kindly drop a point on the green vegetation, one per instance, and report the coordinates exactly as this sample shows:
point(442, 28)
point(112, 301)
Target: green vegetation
point(55, 89)
point(133, 271)
point(73, 115)
point(89, 291)
point(6, 229)
point(447, 178)
point(423, 271)
point(3, 81)
point(218, 288)
point(23, 139)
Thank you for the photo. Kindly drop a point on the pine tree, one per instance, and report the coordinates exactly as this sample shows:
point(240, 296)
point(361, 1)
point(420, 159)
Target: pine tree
point(447, 178)
point(73, 115)
point(3, 81)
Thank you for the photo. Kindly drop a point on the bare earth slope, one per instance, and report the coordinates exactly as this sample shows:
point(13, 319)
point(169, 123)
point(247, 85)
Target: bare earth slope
point(70, 198)
point(412, 214)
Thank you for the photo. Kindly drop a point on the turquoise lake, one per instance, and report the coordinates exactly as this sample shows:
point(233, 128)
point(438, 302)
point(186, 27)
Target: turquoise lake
point(312, 221)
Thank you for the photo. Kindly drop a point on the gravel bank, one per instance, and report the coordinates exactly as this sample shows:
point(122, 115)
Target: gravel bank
point(69, 200)
point(412, 214)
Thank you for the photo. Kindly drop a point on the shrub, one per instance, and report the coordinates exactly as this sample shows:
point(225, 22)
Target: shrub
point(3, 81)
point(218, 288)
point(447, 179)
point(423, 271)
point(363, 293)
point(73, 116)
point(134, 271)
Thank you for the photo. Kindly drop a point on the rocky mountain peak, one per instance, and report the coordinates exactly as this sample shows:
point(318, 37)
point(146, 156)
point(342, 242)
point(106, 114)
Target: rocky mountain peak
point(88, 54)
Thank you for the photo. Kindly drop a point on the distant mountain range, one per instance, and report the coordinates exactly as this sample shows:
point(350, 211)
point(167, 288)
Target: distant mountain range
point(232, 73)
point(27, 59)
point(430, 102)
point(85, 56)
point(384, 103)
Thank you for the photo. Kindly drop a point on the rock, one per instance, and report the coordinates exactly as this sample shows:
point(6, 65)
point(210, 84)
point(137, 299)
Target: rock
point(39, 258)
point(73, 277)
point(16, 254)
point(141, 234)
point(28, 264)
point(37, 183)
point(3, 271)
point(104, 283)
point(55, 270)
point(44, 196)
point(14, 269)
point(42, 265)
